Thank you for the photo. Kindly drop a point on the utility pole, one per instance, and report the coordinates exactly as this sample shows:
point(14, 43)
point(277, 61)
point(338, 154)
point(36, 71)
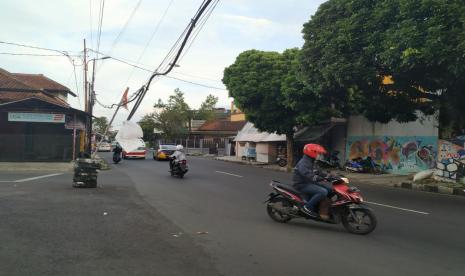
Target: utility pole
point(85, 76)
point(90, 108)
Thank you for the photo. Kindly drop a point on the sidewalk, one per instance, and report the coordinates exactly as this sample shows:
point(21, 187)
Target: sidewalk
point(45, 166)
point(391, 180)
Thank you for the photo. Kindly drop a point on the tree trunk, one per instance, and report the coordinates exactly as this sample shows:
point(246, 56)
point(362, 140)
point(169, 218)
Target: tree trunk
point(290, 151)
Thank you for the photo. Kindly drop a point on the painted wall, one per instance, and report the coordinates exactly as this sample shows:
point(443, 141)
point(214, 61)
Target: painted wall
point(396, 154)
point(451, 159)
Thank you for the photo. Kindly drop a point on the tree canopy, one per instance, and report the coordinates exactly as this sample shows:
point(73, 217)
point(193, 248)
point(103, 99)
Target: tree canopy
point(353, 48)
point(173, 118)
point(99, 124)
point(258, 81)
point(255, 81)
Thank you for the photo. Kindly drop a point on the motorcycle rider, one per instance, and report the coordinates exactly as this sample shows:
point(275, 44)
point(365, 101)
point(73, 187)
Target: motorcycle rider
point(308, 178)
point(117, 150)
point(178, 155)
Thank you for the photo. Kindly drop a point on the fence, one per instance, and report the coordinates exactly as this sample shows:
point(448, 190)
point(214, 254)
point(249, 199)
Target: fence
point(196, 145)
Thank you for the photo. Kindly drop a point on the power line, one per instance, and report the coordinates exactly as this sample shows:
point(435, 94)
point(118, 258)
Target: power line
point(150, 39)
point(197, 31)
point(118, 37)
point(190, 28)
point(101, 12)
point(35, 55)
point(66, 53)
point(90, 23)
point(195, 83)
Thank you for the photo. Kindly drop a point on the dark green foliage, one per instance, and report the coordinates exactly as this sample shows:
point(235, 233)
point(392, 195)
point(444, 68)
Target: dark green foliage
point(351, 45)
point(255, 81)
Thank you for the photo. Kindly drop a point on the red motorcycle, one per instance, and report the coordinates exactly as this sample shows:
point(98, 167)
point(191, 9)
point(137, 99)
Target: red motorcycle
point(344, 204)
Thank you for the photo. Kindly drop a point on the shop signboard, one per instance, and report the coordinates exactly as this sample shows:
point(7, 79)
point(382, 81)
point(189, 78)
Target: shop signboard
point(36, 117)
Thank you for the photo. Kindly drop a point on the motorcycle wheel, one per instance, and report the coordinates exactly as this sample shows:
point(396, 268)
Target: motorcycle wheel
point(275, 214)
point(282, 163)
point(363, 223)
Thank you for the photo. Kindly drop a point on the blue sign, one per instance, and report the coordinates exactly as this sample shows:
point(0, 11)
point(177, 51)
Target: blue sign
point(36, 117)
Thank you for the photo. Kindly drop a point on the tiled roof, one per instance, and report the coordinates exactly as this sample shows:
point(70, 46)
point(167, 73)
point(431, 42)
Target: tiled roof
point(222, 125)
point(29, 82)
point(17, 87)
point(40, 82)
point(7, 96)
point(8, 81)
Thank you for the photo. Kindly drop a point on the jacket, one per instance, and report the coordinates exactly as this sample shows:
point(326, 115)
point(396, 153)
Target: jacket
point(306, 172)
point(179, 155)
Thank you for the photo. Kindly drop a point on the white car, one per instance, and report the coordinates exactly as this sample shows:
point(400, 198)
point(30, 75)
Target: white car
point(104, 146)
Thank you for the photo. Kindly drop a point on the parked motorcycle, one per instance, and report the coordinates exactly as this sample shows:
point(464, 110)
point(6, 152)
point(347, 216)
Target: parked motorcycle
point(281, 161)
point(116, 157)
point(344, 205)
point(179, 168)
point(362, 165)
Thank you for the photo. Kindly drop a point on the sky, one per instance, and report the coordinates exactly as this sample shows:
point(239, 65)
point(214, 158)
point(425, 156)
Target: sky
point(130, 26)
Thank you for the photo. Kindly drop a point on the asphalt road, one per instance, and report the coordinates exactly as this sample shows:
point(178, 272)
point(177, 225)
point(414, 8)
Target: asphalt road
point(418, 233)
point(142, 221)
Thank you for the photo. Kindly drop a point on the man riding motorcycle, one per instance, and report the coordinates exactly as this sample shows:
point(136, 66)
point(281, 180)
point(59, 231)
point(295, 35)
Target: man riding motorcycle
point(117, 152)
point(308, 178)
point(178, 155)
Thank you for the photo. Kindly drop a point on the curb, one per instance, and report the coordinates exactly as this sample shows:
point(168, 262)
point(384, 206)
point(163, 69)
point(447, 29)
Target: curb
point(409, 185)
point(254, 164)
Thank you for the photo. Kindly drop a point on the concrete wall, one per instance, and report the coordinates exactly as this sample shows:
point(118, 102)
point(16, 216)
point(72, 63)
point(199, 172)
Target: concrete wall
point(399, 148)
point(263, 152)
point(360, 126)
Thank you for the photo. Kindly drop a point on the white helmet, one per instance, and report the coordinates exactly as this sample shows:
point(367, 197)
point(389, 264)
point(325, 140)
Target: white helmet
point(179, 147)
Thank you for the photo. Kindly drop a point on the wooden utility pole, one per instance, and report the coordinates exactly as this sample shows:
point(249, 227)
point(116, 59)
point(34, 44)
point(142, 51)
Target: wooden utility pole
point(85, 76)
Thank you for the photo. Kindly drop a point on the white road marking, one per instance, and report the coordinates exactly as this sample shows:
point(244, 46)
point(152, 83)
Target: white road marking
point(229, 174)
point(37, 177)
point(394, 207)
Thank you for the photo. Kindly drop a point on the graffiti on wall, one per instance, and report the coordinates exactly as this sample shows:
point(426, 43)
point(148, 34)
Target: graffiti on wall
point(451, 159)
point(396, 154)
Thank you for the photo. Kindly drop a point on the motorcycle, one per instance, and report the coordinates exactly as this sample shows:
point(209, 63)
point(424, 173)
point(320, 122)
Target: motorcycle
point(344, 205)
point(281, 161)
point(363, 165)
point(116, 157)
point(179, 167)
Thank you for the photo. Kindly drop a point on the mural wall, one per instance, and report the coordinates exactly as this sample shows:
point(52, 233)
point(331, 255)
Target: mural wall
point(395, 154)
point(451, 159)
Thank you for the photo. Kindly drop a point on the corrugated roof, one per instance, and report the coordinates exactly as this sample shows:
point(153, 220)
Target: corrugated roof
point(249, 133)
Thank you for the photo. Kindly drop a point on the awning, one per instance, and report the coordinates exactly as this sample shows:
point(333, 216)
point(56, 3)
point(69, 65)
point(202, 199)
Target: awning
point(313, 133)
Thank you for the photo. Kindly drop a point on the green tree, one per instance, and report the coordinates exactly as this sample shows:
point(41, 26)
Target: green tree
point(148, 124)
point(100, 124)
point(351, 46)
point(172, 117)
point(256, 82)
point(207, 109)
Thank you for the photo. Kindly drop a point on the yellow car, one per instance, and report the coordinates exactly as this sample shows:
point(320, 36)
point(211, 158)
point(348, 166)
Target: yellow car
point(163, 152)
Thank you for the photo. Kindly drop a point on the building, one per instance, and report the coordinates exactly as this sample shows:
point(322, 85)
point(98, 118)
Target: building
point(236, 113)
point(36, 122)
point(266, 146)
